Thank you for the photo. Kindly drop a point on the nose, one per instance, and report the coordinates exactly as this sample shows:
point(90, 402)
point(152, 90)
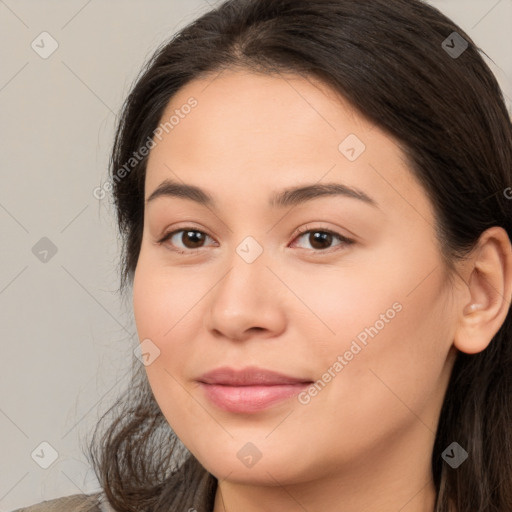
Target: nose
point(248, 301)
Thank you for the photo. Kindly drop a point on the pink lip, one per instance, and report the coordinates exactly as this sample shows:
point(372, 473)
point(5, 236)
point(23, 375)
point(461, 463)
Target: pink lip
point(250, 389)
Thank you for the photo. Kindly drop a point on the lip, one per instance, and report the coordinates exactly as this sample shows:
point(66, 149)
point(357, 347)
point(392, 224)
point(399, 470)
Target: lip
point(250, 389)
point(249, 376)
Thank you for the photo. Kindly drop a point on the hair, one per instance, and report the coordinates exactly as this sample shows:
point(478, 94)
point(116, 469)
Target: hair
point(448, 114)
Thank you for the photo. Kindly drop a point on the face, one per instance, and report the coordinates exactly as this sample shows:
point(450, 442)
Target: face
point(339, 289)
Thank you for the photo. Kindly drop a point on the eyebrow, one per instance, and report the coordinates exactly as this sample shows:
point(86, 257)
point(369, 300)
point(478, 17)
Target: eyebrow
point(291, 196)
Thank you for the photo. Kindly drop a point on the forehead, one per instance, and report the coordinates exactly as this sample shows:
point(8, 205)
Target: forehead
point(249, 133)
point(261, 116)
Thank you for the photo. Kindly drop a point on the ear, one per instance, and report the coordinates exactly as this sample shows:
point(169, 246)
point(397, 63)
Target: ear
point(489, 281)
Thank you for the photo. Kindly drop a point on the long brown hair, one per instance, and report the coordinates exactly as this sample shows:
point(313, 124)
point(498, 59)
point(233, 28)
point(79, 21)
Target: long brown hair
point(390, 59)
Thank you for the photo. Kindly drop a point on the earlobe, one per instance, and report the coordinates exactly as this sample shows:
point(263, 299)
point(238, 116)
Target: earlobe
point(489, 285)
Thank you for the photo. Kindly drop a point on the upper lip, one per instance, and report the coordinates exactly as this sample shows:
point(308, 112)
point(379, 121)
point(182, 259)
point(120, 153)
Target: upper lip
point(249, 376)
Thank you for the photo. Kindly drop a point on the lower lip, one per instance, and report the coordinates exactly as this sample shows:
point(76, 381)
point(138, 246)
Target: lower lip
point(249, 399)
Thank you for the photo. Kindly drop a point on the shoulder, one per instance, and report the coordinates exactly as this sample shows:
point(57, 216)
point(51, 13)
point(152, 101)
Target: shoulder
point(73, 503)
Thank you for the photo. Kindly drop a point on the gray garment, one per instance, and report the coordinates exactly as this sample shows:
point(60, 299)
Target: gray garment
point(74, 503)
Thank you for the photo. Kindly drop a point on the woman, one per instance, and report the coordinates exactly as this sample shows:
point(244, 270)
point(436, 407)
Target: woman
point(313, 201)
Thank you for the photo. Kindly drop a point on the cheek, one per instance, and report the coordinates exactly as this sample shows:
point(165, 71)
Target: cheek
point(394, 365)
point(393, 330)
point(164, 298)
point(167, 311)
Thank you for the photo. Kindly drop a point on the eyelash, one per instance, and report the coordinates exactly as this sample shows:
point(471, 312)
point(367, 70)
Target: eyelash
point(345, 241)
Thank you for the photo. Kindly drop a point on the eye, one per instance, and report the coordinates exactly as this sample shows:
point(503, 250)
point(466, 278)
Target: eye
point(192, 240)
point(320, 239)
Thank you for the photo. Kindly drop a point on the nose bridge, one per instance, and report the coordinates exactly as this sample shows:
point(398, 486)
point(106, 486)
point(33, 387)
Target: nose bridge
point(249, 250)
point(247, 273)
point(245, 298)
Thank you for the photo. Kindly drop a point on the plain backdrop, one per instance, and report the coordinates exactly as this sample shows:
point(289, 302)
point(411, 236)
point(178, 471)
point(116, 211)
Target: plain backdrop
point(67, 337)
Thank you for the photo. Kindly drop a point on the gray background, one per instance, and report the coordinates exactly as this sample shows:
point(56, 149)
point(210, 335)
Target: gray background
point(67, 337)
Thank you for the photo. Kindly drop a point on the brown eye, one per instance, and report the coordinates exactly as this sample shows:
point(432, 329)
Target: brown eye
point(194, 238)
point(188, 241)
point(185, 240)
point(322, 240)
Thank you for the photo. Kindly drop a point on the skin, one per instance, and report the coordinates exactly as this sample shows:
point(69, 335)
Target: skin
point(364, 442)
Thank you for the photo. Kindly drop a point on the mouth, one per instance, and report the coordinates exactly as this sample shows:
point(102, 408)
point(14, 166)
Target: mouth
point(249, 390)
